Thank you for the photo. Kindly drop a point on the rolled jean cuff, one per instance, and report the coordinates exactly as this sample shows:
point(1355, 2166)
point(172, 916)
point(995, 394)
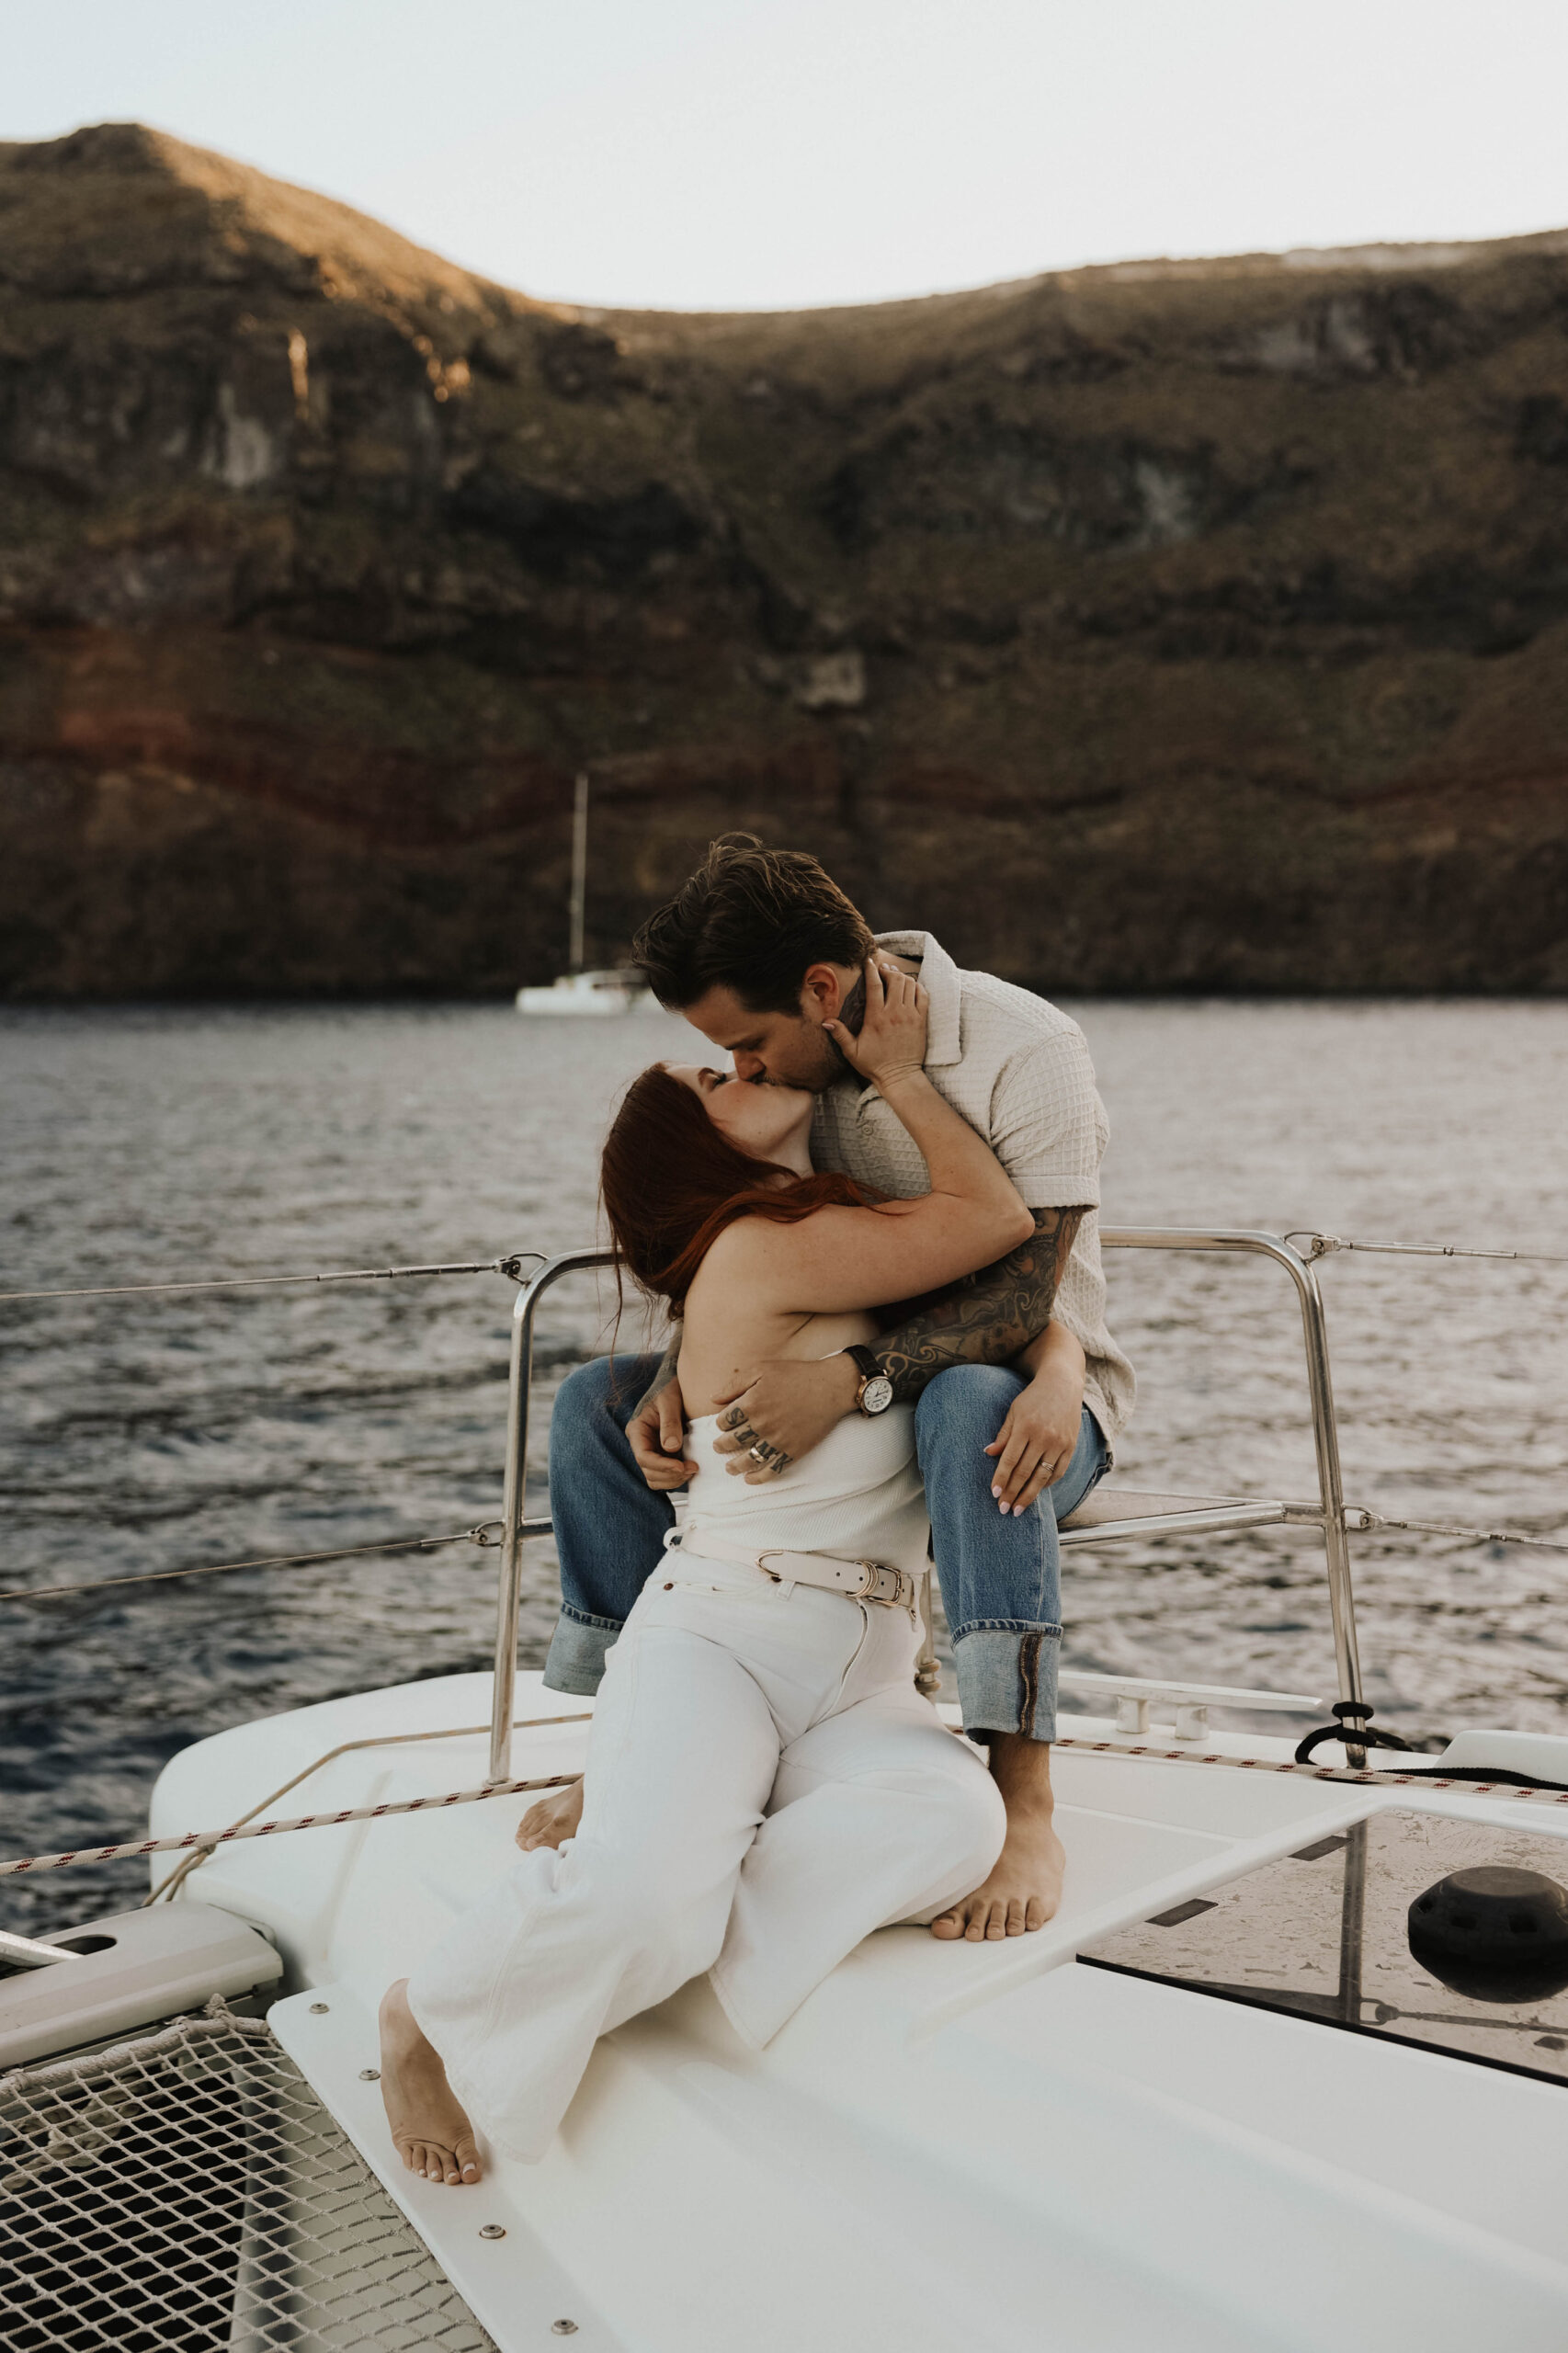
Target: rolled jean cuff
point(576, 1661)
point(1007, 1679)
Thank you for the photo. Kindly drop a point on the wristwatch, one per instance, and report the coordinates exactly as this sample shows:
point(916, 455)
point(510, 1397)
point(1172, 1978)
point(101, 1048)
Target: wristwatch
point(875, 1393)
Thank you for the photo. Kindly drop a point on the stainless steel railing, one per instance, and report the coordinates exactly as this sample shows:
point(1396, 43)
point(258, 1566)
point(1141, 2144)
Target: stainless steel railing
point(517, 1528)
point(1325, 1427)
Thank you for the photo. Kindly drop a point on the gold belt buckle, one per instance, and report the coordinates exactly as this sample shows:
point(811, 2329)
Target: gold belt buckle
point(902, 1594)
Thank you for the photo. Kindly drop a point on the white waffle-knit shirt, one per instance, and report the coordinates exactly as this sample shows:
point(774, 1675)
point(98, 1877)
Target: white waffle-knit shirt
point(858, 1493)
point(1018, 1069)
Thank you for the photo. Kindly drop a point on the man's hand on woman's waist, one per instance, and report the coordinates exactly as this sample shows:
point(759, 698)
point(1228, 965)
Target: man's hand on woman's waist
point(788, 1405)
point(656, 1435)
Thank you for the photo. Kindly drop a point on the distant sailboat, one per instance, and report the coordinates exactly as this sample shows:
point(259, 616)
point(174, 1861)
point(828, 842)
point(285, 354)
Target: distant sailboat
point(578, 991)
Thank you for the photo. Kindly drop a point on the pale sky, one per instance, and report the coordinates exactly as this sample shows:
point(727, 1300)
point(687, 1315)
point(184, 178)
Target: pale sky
point(764, 154)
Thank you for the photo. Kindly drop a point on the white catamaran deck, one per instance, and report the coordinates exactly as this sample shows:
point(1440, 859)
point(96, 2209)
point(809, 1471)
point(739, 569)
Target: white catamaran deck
point(1221, 2102)
point(981, 2144)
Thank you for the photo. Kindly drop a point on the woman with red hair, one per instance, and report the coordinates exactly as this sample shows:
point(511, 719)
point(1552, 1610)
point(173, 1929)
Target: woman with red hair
point(765, 1786)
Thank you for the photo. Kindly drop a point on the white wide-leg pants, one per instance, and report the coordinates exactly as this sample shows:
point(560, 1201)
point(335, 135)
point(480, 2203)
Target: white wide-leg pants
point(764, 1787)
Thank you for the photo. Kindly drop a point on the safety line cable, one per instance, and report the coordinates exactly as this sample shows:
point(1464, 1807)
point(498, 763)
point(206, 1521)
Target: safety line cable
point(1326, 1245)
point(1357, 1522)
point(479, 1534)
point(1368, 1522)
point(1319, 1246)
point(510, 1266)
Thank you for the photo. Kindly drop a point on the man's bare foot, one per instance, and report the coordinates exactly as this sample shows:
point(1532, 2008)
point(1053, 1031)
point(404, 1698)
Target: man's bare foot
point(552, 1819)
point(429, 2130)
point(1024, 1885)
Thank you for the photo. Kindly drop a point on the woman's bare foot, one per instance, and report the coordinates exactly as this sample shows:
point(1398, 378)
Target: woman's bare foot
point(429, 2130)
point(552, 1819)
point(1025, 1884)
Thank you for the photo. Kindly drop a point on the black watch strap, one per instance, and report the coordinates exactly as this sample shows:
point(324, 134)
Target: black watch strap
point(862, 1357)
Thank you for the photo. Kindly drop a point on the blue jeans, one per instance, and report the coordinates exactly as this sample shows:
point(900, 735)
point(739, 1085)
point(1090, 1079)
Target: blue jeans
point(1000, 1578)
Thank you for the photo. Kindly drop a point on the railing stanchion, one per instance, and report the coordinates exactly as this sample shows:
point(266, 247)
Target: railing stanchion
point(509, 1595)
point(1325, 1428)
point(1336, 1542)
point(515, 1525)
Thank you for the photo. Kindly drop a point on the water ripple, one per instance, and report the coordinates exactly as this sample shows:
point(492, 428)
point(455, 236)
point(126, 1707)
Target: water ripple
point(145, 1142)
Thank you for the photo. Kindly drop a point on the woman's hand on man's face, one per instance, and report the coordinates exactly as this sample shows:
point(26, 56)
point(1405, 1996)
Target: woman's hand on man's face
point(891, 1040)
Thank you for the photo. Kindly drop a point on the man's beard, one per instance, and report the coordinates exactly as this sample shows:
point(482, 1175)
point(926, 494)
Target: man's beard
point(831, 1067)
point(829, 1070)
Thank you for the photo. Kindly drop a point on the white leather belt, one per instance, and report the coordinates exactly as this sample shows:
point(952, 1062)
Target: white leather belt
point(873, 1581)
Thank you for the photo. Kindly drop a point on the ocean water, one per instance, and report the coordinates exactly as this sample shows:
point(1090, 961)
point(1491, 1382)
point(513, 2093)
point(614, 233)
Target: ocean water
point(146, 1433)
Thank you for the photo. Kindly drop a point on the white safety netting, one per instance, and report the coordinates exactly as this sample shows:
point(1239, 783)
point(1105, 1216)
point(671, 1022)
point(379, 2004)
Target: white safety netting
point(188, 2190)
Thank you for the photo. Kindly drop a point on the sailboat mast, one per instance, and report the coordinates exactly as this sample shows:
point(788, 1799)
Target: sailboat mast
point(579, 870)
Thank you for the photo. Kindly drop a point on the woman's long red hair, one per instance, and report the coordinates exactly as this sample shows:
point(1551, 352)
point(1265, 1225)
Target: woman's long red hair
point(671, 1182)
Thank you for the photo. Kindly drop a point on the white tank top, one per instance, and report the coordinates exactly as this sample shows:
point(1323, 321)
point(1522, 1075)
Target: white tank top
point(858, 1495)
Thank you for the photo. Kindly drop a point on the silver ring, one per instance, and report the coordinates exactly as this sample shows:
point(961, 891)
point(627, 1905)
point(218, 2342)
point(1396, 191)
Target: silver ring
point(761, 1453)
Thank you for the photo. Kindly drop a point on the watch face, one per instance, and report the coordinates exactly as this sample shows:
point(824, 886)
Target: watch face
point(877, 1395)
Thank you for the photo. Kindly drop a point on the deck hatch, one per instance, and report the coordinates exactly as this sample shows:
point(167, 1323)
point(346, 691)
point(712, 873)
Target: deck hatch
point(1323, 1934)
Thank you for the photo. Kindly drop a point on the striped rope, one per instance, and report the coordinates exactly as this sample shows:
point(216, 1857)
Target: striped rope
point(1368, 1776)
point(211, 1839)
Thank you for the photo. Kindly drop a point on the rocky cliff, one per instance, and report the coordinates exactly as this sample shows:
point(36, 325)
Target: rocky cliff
point(1159, 626)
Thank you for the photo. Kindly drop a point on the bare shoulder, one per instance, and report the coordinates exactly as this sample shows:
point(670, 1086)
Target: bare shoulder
point(733, 1251)
point(766, 1254)
point(746, 1254)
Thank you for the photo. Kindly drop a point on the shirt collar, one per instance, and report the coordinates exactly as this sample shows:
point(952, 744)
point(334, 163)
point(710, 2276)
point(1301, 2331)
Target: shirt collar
point(939, 978)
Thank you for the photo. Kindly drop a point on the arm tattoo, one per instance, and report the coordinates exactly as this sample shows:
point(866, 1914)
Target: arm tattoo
point(663, 1378)
point(987, 1317)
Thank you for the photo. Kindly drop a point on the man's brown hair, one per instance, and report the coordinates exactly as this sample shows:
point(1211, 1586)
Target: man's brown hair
point(752, 920)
